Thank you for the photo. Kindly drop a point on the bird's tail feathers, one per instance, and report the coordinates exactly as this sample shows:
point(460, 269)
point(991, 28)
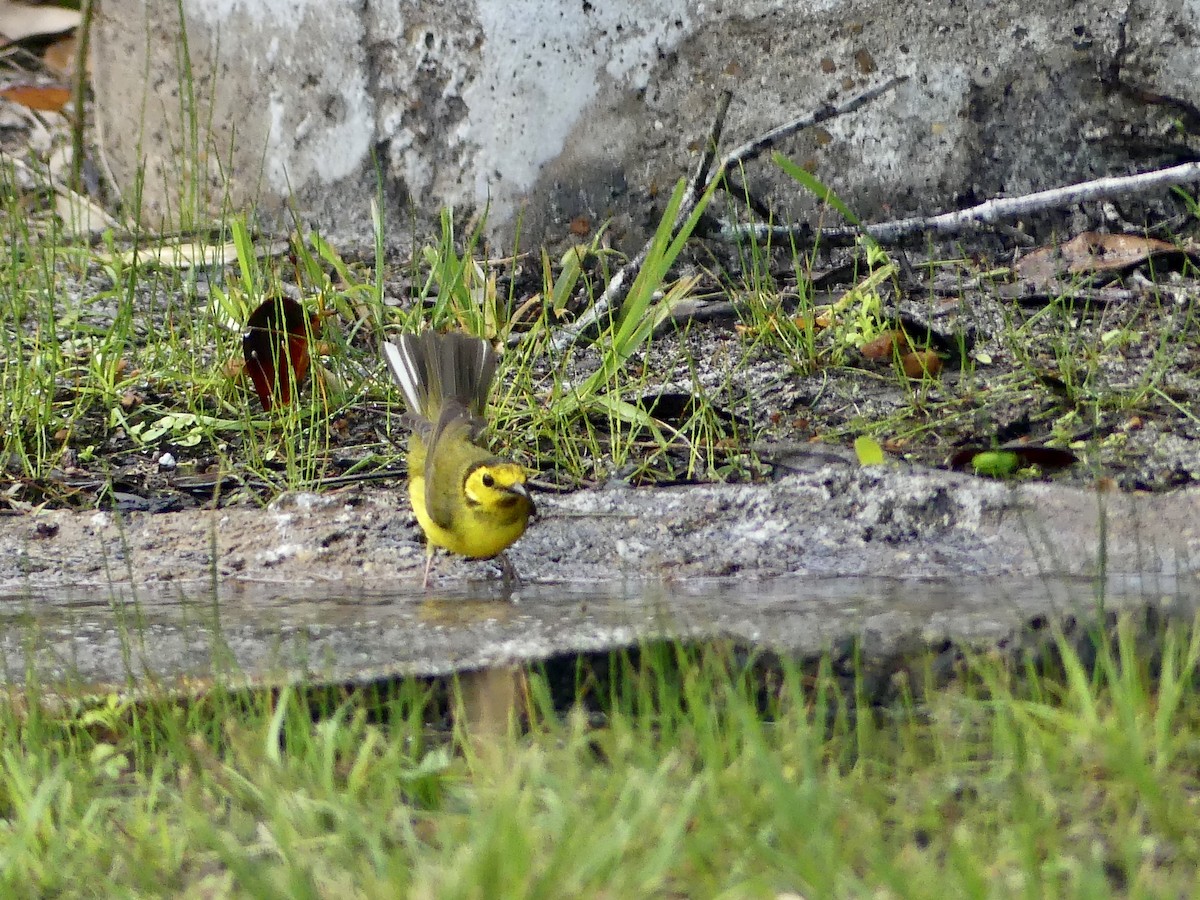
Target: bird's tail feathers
point(439, 372)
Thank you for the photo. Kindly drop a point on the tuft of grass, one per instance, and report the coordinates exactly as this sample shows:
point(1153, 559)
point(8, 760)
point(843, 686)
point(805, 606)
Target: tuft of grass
point(548, 413)
point(810, 335)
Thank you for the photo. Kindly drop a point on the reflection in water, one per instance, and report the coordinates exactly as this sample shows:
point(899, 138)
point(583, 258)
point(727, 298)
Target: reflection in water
point(451, 611)
point(492, 703)
point(112, 635)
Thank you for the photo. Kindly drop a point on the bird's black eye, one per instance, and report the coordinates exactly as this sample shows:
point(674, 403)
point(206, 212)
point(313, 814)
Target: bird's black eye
point(488, 480)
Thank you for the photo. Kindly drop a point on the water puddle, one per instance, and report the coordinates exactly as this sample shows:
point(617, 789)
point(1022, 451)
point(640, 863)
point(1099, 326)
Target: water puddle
point(98, 638)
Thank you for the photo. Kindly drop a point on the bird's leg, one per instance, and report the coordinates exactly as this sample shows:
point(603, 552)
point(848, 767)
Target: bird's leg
point(508, 572)
point(428, 565)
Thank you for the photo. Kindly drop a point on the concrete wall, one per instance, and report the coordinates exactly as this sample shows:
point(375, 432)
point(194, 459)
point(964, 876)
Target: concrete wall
point(546, 111)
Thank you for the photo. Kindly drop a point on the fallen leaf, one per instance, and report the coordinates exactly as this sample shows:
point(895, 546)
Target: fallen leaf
point(886, 345)
point(60, 56)
point(192, 254)
point(1003, 461)
point(276, 349)
point(1088, 253)
point(868, 451)
point(921, 363)
point(21, 20)
point(47, 98)
point(80, 216)
point(1093, 252)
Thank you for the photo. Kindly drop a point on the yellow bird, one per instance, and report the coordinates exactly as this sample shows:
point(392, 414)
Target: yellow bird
point(467, 500)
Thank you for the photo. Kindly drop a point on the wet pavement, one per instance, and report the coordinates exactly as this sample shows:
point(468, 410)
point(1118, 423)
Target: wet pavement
point(328, 587)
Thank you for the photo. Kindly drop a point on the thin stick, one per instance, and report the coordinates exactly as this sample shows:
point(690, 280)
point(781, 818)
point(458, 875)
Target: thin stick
point(755, 147)
point(700, 179)
point(987, 213)
point(616, 290)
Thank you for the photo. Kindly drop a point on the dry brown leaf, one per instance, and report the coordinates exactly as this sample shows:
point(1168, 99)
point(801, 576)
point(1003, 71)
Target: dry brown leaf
point(1040, 269)
point(888, 343)
point(921, 363)
point(47, 98)
point(59, 57)
point(1086, 253)
point(1093, 252)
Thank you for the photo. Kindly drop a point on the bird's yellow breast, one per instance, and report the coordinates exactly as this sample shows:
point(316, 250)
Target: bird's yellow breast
point(476, 532)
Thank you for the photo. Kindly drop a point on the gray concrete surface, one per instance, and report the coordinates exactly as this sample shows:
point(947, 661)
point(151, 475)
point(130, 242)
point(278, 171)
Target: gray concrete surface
point(330, 585)
point(544, 112)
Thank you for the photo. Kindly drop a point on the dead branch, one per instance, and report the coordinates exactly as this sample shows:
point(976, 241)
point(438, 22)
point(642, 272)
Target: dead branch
point(986, 214)
point(756, 147)
point(617, 287)
point(700, 179)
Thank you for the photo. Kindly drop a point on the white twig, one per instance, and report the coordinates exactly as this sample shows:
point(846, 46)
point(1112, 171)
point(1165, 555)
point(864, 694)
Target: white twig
point(986, 213)
point(617, 287)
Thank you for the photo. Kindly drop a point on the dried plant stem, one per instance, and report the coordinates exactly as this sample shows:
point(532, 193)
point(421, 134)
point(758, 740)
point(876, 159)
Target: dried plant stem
point(984, 215)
